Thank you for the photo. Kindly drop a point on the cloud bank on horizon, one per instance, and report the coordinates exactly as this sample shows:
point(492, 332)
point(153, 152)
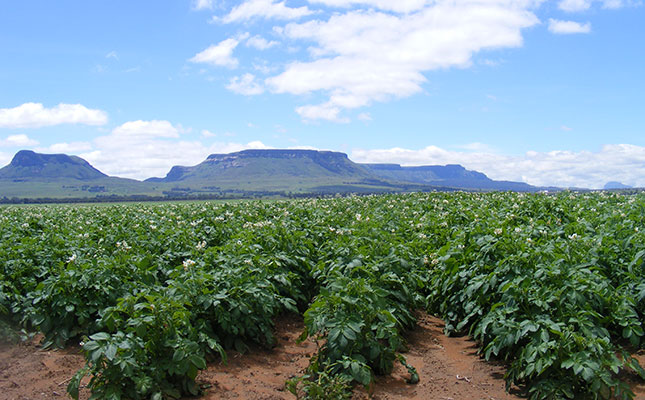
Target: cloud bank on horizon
point(335, 60)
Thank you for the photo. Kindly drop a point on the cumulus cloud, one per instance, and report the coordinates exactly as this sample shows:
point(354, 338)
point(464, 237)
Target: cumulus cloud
point(583, 5)
point(66, 148)
point(18, 141)
point(143, 149)
point(154, 128)
point(269, 9)
point(203, 5)
point(246, 85)
point(401, 6)
point(568, 27)
point(365, 117)
point(260, 43)
point(5, 158)
point(35, 115)
point(574, 5)
point(326, 112)
point(220, 54)
point(362, 56)
point(614, 162)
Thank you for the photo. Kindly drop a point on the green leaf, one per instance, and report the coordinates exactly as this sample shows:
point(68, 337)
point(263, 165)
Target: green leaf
point(198, 361)
point(110, 352)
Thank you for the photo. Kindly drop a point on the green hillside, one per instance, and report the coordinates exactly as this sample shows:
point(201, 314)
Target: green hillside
point(246, 173)
point(34, 175)
point(30, 166)
point(273, 170)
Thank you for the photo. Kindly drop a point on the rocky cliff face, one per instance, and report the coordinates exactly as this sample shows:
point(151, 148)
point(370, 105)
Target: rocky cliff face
point(256, 162)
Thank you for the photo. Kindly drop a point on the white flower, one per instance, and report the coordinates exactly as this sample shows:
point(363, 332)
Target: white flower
point(518, 230)
point(72, 258)
point(123, 245)
point(498, 231)
point(573, 236)
point(201, 245)
point(188, 263)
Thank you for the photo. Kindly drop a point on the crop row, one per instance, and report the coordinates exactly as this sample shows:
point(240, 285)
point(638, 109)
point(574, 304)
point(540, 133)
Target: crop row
point(553, 284)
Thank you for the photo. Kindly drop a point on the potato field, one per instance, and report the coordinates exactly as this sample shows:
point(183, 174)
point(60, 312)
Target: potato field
point(553, 285)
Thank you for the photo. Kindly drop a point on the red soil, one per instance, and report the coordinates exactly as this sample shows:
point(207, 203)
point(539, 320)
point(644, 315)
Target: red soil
point(449, 368)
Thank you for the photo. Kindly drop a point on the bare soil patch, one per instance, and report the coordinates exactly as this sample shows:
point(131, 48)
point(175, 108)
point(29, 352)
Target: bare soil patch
point(28, 372)
point(449, 368)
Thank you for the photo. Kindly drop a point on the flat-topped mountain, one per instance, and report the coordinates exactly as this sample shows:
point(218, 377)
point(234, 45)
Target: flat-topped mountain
point(451, 175)
point(270, 167)
point(244, 173)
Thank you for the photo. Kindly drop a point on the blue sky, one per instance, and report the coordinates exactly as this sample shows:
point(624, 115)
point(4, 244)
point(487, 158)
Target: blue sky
point(546, 92)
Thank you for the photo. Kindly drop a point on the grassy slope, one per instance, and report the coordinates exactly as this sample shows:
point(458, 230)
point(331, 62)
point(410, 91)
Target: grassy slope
point(71, 188)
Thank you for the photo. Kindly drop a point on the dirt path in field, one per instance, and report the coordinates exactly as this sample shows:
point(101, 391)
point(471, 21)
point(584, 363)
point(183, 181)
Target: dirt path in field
point(29, 373)
point(449, 368)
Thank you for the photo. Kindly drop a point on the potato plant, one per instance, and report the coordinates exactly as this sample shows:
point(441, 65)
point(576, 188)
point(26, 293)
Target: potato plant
point(552, 284)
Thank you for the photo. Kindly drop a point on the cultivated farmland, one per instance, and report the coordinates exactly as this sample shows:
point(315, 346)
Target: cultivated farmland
point(551, 284)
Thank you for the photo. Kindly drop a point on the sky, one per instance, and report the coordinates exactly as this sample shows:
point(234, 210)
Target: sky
point(547, 92)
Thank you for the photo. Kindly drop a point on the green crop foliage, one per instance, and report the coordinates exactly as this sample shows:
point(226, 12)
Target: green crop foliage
point(553, 285)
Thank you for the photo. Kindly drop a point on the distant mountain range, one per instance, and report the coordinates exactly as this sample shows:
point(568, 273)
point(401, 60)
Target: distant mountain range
point(616, 185)
point(245, 173)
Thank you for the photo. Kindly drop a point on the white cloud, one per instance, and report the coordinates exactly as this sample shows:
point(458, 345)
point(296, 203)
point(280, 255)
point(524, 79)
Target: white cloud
point(260, 43)
point(574, 5)
point(365, 117)
point(112, 54)
point(5, 159)
point(18, 141)
point(143, 149)
point(203, 5)
point(67, 148)
point(583, 5)
point(220, 54)
point(619, 162)
point(208, 134)
point(269, 9)
point(362, 56)
point(324, 111)
point(568, 27)
point(35, 115)
point(154, 128)
point(246, 85)
point(613, 4)
point(402, 6)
